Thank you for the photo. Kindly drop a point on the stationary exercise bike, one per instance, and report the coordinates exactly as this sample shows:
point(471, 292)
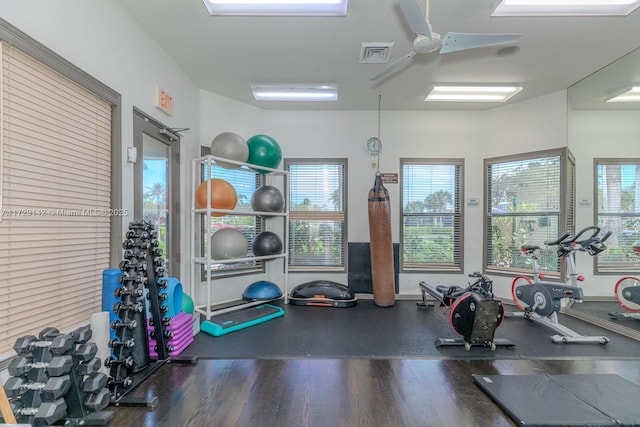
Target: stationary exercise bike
point(474, 312)
point(540, 301)
point(627, 292)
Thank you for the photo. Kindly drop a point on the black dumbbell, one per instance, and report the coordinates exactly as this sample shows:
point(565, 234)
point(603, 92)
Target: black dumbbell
point(48, 333)
point(96, 402)
point(95, 382)
point(57, 366)
point(86, 352)
point(59, 345)
point(126, 343)
point(130, 325)
point(137, 307)
point(166, 333)
point(89, 367)
point(166, 321)
point(120, 292)
point(54, 388)
point(82, 334)
point(127, 362)
point(46, 414)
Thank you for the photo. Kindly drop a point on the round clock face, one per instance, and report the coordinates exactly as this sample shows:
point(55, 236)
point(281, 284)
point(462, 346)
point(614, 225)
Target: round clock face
point(374, 145)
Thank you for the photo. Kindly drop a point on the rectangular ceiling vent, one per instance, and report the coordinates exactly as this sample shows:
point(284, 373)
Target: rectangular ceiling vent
point(375, 53)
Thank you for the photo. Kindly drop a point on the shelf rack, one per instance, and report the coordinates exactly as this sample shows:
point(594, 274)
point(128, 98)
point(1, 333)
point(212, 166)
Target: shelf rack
point(199, 260)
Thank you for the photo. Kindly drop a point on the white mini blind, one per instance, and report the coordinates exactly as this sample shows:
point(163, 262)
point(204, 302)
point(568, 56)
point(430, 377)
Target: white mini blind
point(56, 196)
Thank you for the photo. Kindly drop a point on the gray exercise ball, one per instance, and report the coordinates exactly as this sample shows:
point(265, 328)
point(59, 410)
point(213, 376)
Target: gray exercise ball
point(228, 243)
point(232, 146)
point(267, 199)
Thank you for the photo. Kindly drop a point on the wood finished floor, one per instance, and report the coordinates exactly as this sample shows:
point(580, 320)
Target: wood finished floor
point(332, 392)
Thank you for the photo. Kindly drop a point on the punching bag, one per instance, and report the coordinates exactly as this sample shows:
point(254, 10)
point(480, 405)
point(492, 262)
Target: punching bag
point(382, 268)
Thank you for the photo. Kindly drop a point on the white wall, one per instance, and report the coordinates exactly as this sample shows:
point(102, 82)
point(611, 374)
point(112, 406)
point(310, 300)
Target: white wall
point(102, 39)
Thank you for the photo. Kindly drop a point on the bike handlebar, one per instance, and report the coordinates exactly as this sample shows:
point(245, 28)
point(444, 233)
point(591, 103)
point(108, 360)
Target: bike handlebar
point(593, 245)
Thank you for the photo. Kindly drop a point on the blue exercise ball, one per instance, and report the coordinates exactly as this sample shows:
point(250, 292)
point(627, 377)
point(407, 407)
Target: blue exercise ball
point(262, 290)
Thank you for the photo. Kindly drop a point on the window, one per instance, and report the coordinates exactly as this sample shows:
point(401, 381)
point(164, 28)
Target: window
point(317, 214)
point(245, 183)
point(432, 217)
point(57, 193)
point(617, 209)
point(529, 199)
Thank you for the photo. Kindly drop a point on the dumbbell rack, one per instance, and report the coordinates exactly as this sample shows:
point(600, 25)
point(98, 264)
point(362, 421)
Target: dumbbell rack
point(143, 273)
point(55, 378)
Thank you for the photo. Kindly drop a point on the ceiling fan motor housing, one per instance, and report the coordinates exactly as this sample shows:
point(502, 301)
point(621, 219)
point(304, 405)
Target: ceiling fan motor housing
point(423, 44)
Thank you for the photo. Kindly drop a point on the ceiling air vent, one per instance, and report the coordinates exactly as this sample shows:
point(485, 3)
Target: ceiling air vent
point(375, 53)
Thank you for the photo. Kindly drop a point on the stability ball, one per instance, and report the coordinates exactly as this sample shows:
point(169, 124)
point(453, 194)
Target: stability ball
point(228, 243)
point(187, 304)
point(262, 290)
point(232, 146)
point(267, 199)
point(222, 196)
point(264, 151)
point(267, 243)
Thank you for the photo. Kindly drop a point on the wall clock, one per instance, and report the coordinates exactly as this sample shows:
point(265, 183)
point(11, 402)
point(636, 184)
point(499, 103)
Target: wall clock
point(374, 146)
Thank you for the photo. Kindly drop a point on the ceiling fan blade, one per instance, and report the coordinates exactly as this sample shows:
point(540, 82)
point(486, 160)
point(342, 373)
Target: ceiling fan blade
point(394, 66)
point(453, 42)
point(415, 17)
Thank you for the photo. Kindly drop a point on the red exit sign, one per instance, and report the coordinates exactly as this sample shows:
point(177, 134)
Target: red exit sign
point(163, 101)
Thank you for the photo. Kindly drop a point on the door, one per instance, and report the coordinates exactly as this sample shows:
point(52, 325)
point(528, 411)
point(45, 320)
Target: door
point(157, 184)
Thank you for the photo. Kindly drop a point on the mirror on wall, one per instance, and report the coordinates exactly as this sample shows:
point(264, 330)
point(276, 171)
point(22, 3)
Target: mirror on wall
point(604, 134)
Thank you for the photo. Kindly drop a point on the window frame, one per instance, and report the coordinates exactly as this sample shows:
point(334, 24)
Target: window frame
point(458, 203)
point(611, 243)
point(565, 214)
point(319, 215)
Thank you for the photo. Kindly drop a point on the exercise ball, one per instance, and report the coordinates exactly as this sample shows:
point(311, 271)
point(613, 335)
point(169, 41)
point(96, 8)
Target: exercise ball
point(267, 199)
point(187, 304)
point(232, 146)
point(228, 243)
point(222, 195)
point(267, 243)
point(261, 290)
point(264, 151)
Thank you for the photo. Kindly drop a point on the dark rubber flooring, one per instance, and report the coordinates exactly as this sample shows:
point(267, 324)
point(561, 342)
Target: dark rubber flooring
point(401, 331)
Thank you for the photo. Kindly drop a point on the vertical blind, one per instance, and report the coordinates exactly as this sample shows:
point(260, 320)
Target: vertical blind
point(431, 214)
point(56, 198)
point(317, 228)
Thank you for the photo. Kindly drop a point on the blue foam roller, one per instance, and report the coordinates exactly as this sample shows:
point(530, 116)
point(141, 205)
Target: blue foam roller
point(174, 297)
point(110, 282)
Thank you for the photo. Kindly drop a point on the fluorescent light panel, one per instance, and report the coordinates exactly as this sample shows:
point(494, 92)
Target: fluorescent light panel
point(565, 7)
point(277, 7)
point(628, 94)
point(450, 93)
point(294, 92)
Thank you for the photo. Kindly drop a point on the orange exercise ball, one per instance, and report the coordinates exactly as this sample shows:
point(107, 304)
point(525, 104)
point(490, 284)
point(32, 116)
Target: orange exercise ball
point(222, 196)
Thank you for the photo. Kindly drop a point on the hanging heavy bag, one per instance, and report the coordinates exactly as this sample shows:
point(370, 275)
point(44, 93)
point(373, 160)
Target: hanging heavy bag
point(382, 271)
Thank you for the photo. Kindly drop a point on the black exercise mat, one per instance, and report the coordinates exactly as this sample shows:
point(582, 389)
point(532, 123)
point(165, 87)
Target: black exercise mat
point(609, 393)
point(564, 400)
point(401, 331)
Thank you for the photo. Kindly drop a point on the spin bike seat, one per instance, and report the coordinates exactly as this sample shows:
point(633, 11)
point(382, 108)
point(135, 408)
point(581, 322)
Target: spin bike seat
point(452, 292)
point(529, 248)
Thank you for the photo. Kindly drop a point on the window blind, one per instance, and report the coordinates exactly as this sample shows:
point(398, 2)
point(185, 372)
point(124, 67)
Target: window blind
point(56, 198)
point(432, 216)
point(529, 200)
point(317, 225)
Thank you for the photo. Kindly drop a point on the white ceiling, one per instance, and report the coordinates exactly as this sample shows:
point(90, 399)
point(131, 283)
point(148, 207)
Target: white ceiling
point(226, 54)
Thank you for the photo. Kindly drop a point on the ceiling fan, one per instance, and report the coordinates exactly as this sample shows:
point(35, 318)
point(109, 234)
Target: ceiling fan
point(427, 41)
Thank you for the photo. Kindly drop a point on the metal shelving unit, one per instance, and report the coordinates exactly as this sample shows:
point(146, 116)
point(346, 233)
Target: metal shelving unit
point(200, 260)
